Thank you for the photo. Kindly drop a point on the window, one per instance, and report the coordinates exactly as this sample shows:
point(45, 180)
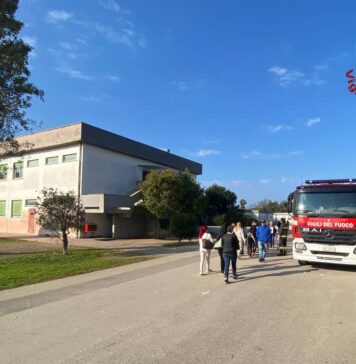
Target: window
point(18, 170)
point(3, 172)
point(69, 157)
point(31, 202)
point(52, 160)
point(3, 208)
point(16, 206)
point(33, 163)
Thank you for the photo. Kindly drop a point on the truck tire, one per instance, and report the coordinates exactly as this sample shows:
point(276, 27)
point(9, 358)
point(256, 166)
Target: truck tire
point(302, 262)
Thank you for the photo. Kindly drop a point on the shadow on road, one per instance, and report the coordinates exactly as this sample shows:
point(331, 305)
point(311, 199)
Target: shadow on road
point(279, 273)
point(154, 250)
point(335, 267)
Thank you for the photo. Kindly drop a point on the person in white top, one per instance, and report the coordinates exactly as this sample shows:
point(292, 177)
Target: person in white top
point(204, 253)
point(239, 232)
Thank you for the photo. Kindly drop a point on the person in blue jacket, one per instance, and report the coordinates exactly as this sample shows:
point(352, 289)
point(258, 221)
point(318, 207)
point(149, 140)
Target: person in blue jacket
point(263, 236)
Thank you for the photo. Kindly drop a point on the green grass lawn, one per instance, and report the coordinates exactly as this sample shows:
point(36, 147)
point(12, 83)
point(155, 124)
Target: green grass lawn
point(39, 267)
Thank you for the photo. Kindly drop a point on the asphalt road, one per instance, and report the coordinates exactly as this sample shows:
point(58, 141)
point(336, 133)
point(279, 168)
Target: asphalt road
point(162, 311)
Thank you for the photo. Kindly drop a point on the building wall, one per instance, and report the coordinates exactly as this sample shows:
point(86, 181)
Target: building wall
point(109, 172)
point(103, 223)
point(64, 176)
point(129, 228)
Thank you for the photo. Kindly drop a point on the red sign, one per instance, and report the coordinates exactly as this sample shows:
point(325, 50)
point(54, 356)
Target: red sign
point(351, 80)
point(327, 223)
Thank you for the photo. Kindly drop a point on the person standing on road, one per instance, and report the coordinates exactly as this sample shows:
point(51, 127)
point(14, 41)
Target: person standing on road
point(263, 235)
point(253, 231)
point(230, 245)
point(223, 231)
point(204, 253)
point(283, 235)
point(239, 232)
point(273, 233)
point(251, 242)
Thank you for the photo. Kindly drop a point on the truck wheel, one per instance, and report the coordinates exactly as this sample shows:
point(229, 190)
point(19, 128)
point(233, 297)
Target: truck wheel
point(302, 262)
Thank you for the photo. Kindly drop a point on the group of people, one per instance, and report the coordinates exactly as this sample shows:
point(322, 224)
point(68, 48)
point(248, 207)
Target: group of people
point(232, 241)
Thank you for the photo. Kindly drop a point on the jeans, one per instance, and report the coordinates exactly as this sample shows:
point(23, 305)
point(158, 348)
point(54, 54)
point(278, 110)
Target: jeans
point(272, 241)
point(230, 257)
point(262, 250)
point(250, 248)
point(222, 262)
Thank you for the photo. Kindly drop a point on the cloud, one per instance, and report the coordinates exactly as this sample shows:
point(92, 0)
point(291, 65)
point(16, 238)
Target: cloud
point(56, 16)
point(125, 36)
point(285, 77)
point(110, 5)
point(255, 154)
point(288, 78)
point(142, 42)
point(286, 180)
point(206, 152)
point(264, 181)
point(210, 183)
point(314, 81)
point(181, 85)
point(67, 46)
point(277, 128)
point(312, 122)
point(213, 141)
point(73, 73)
point(129, 31)
point(279, 71)
point(192, 84)
point(237, 182)
point(252, 154)
point(113, 78)
point(322, 67)
point(91, 99)
point(31, 41)
point(297, 152)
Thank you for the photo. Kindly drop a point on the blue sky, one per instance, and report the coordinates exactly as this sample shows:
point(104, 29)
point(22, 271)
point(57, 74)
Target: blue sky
point(254, 90)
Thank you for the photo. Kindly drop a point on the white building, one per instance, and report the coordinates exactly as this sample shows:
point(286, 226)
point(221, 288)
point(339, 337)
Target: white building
point(103, 168)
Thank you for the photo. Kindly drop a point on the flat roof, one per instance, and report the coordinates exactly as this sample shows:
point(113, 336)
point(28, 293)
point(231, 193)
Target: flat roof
point(89, 134)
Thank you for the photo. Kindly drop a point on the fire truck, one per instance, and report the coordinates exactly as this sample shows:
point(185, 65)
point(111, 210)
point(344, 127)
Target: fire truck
point(324, 221)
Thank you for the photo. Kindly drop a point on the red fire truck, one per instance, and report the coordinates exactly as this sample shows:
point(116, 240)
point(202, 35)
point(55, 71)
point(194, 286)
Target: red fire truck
point(324, 221)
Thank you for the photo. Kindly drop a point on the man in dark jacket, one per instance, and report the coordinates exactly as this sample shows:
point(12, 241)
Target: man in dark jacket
point(230, 246)
point(263, 236)
point(223, 230)
point(253, 231)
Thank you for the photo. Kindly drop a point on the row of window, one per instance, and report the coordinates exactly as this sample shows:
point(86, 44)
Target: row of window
point(16, 207)
point(17, 172)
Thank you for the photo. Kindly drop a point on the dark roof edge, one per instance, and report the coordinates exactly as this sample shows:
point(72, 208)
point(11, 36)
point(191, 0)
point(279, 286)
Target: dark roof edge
point(117, 143)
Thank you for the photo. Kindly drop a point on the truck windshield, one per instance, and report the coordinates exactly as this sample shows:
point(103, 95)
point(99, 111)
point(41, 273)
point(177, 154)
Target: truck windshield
point(327, 203)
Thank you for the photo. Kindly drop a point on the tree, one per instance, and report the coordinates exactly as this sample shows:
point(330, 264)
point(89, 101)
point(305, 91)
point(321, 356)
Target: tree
point(183, 225)
point(219, 200)
point(60, 212)
point(16, 91)
point(243, 204)
point(270, 206)
point(167, 194)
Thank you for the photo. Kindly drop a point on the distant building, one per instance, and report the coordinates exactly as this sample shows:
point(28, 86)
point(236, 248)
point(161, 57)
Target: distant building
point(270, 216)
point(103, 168)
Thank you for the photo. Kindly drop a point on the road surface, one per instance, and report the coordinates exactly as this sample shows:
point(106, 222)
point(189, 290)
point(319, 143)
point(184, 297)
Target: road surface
point(162, 311)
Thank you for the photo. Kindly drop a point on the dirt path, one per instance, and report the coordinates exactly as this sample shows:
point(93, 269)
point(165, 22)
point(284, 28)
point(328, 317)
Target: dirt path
point(27, 245)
